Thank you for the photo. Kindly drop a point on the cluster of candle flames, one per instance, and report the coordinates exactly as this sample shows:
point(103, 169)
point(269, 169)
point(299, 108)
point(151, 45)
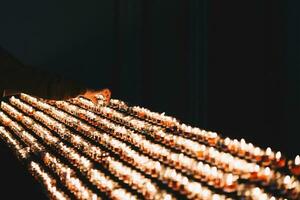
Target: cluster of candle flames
point(80, 150)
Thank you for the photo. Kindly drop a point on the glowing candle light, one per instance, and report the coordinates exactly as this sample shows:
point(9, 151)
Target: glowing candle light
point(141, 148)
point(266, 175)
point(267, 157)
point(287, 180)
point(295, 166)
point(268, 151)
point(243, 146)
point(230, 183)
point(297, 160)
point(278, 155)
point(257, 153)
point(279, 160)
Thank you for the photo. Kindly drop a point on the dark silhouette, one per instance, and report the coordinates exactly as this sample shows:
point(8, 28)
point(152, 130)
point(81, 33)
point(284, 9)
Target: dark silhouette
point(16, 77)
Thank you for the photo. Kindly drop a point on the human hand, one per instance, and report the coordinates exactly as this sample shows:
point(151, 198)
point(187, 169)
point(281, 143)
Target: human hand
point(92, 95)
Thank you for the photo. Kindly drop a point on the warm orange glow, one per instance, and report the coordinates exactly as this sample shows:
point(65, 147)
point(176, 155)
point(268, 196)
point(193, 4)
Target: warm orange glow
point(153, 154)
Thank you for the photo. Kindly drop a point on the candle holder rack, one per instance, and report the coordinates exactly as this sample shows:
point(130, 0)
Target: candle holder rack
point(112, 150)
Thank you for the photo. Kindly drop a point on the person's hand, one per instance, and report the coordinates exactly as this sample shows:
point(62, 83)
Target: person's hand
point(92, 95)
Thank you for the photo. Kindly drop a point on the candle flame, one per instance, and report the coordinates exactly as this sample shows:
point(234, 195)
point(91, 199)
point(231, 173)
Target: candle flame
point(214, 171)
point(256, 191)
point(229, 179)
point(251, 146)
point(287, 180)
point(216, 197)
point(267, 171)
point(227, 141)
point(297, 160)
point(268, 151)
point(243, 141)
point(256, 168)
point(278, 155)
point(256, 151)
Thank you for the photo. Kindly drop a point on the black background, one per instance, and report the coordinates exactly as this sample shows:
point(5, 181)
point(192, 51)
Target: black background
point(227, 66)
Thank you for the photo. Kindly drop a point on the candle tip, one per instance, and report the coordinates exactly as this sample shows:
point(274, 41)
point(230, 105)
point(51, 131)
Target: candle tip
point(286, 180)
point(267, 171)
point(278, 155)
point(268, 151)
point(229, 179)
point(297, 160)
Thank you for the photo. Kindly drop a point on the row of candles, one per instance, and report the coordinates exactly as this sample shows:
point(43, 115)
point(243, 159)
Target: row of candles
point(35, 168)
point(168, 175)
point(145, 127)
point(190, 147)
point(164, 121)
point(223, 160)
point(265, 174)
point(133, 178)
point(241, 148)
point(87, 129)
point(184, 163)
point(66, 174)
point(47, 180)
point(50, 183)
point(267, 158)
point(198, 169)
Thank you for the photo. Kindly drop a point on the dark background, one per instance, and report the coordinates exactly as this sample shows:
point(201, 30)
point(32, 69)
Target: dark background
point(227, 66)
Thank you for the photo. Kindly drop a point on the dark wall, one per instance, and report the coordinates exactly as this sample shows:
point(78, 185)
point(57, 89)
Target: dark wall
point(71, 37)
point(253, 72)
point(147, 52)
point(242, 69)
point(292, 70)
point(229, 66)
point(161, 63)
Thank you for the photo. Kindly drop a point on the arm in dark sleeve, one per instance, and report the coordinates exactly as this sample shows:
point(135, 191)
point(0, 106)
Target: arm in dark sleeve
point(16, 77)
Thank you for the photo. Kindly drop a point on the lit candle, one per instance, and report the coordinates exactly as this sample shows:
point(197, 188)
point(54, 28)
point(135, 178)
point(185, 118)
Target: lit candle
point(236, 145)
point(295, 166)
point(257, 154)
point(267, 157)
point(230, 183)
point(213, 138)
point(226, 144)
point(242, 147)
point(215, 179)
point(279, 160)
point(254, 172)
point(266, 175)
point(287, 181)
